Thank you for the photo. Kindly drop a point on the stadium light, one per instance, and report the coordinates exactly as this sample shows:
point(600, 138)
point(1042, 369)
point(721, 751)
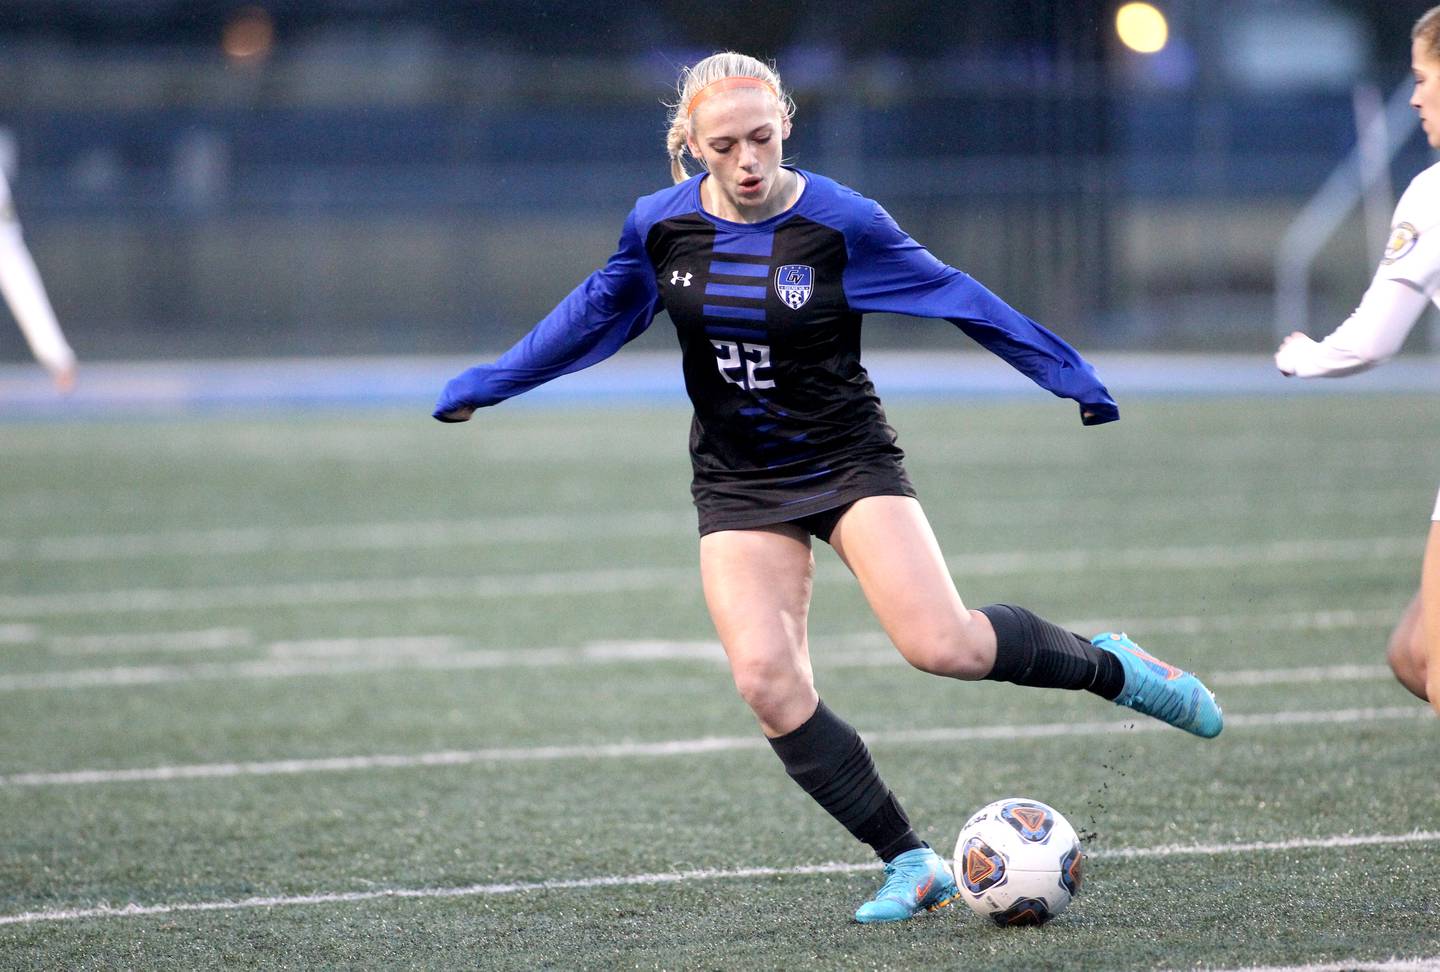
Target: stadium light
point(249, 35)
point(1142, 28)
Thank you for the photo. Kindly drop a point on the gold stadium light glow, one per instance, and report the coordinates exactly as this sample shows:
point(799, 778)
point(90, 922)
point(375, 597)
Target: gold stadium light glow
point(1142, 27)
point(249, 36)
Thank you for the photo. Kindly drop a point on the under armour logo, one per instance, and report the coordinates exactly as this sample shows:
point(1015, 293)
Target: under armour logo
point(677, 278)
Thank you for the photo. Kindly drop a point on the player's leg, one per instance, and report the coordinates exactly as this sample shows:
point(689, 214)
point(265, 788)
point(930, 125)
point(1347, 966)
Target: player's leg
point(887, 543)
point(1430, 614)
point(1406, 651)
point(757, 586)
point(1414, 649)
point(889, 546)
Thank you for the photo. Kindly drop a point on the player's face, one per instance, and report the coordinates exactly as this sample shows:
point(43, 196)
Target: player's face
point(1426, 98)
point(738, 134)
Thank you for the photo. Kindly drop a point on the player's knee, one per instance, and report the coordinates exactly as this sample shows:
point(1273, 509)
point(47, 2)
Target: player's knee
point(1406, 656)
point(951, 650)
point(1397, 655)
point(768, 684)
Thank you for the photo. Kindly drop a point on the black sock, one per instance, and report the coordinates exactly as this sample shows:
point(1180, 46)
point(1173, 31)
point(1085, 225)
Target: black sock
point(827, 757)
point(1031, 651)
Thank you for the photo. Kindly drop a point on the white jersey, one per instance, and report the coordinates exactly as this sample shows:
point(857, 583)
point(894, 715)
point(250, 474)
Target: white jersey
point(1413, 253)
point(1407, 280)
point(24, 292)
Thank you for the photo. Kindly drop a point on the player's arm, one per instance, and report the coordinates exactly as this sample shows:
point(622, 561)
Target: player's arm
point(614, 305)
point(1369, 336)
point(25, 294)
point(889, 271)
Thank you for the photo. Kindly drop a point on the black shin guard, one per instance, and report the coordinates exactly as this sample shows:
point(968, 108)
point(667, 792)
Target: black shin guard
point(827, 757)
point(1031, 651)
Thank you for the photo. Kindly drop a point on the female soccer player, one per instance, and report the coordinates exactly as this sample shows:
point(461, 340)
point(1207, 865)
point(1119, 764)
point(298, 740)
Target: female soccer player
point(25, 293)
point(766, 271)
point(1406, 282)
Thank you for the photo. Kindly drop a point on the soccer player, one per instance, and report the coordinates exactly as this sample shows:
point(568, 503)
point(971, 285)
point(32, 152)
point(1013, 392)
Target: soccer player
point(1407, 281)
point(25, 293)
point(765, 271)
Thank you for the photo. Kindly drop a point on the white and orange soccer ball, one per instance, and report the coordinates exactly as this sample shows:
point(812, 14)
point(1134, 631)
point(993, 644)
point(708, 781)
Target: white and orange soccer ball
point(1018, 862)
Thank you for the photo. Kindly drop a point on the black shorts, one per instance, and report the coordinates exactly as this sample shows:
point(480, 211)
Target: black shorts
point(736, 506)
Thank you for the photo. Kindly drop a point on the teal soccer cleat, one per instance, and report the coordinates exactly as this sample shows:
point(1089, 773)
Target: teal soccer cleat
point(1162, 690)
point(916, 880)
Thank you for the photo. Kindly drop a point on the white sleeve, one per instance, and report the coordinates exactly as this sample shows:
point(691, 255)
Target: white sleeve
point(25, 293)
point(1412, 253)
point(1407, 278)
point(1373, 333)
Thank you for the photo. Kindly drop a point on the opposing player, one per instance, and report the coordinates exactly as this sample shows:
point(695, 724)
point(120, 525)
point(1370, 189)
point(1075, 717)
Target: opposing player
point(25, 293)
point(765, 271)
point(1407, 281)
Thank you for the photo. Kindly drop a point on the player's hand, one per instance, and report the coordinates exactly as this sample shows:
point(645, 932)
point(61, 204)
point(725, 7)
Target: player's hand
point(64, 379)
point(457, 401)
point(1432, 688)
point(1293, 347)
point(461, 414)
point(1099, 413)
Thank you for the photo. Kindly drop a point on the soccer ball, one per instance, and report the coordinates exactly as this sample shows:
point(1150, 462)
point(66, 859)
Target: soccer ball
point(1018, 862)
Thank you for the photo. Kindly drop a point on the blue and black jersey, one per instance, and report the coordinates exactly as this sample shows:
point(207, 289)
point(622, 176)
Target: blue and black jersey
point(787, 423)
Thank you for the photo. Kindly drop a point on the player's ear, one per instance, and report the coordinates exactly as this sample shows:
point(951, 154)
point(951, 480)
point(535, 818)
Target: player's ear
point(784, 128)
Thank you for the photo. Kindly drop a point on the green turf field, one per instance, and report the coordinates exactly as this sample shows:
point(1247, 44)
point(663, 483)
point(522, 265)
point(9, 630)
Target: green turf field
point(361, 690)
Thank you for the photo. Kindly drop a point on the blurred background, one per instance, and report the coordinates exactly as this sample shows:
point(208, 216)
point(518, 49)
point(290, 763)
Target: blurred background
point(349, 177)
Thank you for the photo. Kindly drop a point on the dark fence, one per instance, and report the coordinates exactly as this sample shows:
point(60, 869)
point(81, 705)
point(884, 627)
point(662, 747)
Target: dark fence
point(211, 226)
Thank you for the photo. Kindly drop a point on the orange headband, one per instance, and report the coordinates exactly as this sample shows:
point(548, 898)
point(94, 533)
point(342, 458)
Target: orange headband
point(728, 84)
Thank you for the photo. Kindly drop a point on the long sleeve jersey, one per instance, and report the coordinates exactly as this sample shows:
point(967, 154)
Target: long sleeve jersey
point(768, 318)
point(20, 283)
point(1406, 282)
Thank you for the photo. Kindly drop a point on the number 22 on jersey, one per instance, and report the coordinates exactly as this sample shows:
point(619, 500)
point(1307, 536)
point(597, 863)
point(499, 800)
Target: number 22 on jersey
point(738, 363)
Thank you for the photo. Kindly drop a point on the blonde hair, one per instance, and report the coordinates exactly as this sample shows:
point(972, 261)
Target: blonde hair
point(1427, 31)
point(694, 79)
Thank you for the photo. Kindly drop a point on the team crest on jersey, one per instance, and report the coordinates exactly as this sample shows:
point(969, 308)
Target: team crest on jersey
point(794, 283)
point(1403, 237)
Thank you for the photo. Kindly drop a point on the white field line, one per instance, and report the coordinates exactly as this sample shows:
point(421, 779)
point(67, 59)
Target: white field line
point(348, 656)
point(215, 639)
point(1296, 676)
point(1187, 558)
point(571, 583)
point(1429, 963)
point(208, 639)
point(426, 660)
point(1333, 620)
point(386, 590)
point(19, 634)
point(335, 658)
point(528, 529)
point(846, 649)
point(398, 535)
point(680, 747)
point(136, 910)
point(422, 646)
